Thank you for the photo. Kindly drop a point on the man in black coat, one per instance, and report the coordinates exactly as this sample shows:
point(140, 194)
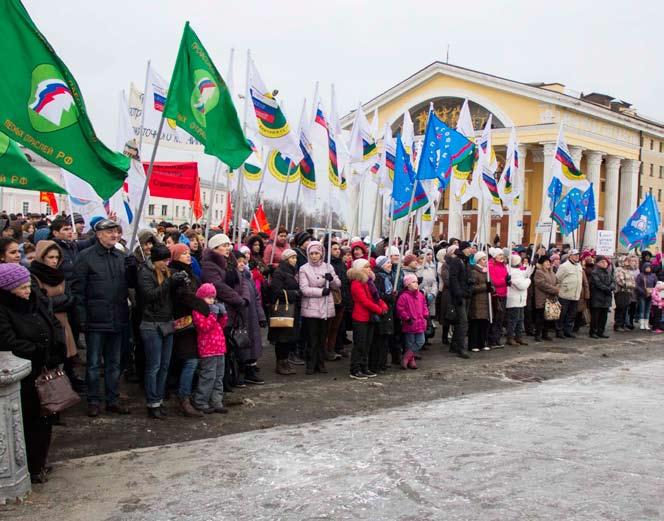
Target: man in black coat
point(460, 293)
point(102, 277)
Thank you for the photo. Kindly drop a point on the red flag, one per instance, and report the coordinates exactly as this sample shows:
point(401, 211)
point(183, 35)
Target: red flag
point(259, 221)
point(49, 199)
point(196, 204)
point(173, 180)
point(228, 214)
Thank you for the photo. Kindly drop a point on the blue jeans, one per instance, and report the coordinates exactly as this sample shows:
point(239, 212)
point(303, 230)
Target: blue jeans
point(515, 322)
point(644, 308)
point(157, 359)
point(413, 341)
point(109, 346)
point(187, 377)
point(210, 388)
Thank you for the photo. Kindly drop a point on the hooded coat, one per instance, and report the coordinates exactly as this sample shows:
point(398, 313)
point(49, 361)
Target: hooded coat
point(312, 282)
point(517, 292)
point(364, 304)
point(645, 280)
point(413, 311)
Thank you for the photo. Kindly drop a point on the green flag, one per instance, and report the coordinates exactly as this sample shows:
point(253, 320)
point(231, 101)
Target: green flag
point(17, 172)
point(200, 103)
point(42, 107)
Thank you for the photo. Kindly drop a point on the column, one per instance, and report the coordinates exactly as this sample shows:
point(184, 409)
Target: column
point(629, 190)
point(549, 151)
point(454, 217)
point(515, 233)
point(14, 476)
point(576, 153)
point(611, 167)
point(593, 165)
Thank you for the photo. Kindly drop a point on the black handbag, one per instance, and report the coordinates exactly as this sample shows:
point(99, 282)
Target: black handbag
point(240, 335)
point(623, 298)
point(451, 314)
point(283, 314)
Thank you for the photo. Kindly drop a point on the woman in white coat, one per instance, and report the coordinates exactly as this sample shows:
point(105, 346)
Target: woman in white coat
point(517, 293)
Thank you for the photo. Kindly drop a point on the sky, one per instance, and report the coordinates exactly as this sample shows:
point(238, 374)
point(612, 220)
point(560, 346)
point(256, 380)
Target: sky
point(363, 47)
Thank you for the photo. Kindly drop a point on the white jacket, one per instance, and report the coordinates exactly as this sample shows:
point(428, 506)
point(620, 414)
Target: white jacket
point(570, 280)
point(517, 292)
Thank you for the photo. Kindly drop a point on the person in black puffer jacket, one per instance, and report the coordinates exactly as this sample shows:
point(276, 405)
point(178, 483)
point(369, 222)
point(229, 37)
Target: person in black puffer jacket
point(334, 341)
point(283, 280)
point(384, 340)
point(460, 294)
point(30, 331)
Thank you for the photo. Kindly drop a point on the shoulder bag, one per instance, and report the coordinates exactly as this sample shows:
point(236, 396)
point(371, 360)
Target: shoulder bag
point(283, 315)
point(552, 310)
point(55, 392)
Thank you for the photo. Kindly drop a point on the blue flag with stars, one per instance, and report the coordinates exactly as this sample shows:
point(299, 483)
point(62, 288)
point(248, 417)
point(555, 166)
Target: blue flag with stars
point(588, 200)
point(640, 230)
point(442, 148)
point(404, 182)
point(554, 192)
point(569, 211)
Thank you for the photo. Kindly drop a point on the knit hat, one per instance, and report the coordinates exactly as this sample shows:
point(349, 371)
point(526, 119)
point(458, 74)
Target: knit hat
point(218, 240)
point(314, 246)
point(464, 245)
point(359, 264)
point(494, 252)
point(585, 255)
point(603, 258)
point(301, 238)
point(542, 259)
point(206, 290)
point(160, 253)
point(78, 218)
point(380, 261)
point(452, 249)
point(12, 276)
point(515, 260)
point(41, 234)
point(245, 250)
point(392, 250)
point(409, 279)
point(408, 259)
point(287, 254)
point(177, 250)
point(479, 256)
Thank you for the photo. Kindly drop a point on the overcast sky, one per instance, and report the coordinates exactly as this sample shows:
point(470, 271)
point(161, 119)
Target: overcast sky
point(364, 47)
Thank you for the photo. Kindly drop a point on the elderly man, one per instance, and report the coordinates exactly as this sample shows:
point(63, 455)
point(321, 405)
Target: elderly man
point(102, 276)
point(570, 281)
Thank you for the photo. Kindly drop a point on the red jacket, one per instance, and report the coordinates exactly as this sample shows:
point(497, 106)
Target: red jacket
point(363, 303)
point(210, 334)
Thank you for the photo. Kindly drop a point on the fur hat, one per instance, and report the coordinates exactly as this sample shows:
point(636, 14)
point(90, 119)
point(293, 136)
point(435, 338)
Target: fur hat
point(206, 290)
point(409, 279)
point(302, 237)
point(392, 250)
point(479, 256)
point(177, 250)
point(12, 276)
point(218, 240)
point(287, 254)
point(452, 249)
point(160, 252)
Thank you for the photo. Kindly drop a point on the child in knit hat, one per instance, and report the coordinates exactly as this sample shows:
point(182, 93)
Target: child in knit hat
point(413, 311)
point(209, 394)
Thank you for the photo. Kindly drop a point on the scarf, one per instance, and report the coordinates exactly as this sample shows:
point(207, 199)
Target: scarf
point(47, 275)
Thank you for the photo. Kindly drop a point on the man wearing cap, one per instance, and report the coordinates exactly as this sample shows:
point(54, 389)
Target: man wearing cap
point(102, 276)
point(570, 282)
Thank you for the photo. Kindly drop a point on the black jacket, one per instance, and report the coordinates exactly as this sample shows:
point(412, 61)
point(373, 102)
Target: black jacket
point(284, 279)
point(101, 282)
point(460, 287)
point(70, 250)
point(156, 302)
point(184, 302)
point(602, 286)
point(341, 271)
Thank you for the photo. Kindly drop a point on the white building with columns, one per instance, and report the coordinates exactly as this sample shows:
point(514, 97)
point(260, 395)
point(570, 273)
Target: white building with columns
point(619, 150)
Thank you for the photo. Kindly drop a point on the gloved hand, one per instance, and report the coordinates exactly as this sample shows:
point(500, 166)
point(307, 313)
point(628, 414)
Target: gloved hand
point(328, 277)
point(508, 279)
point(180, 278)
point(326, 292)
point(218, 308)
point(262, 323)
point(269, 270)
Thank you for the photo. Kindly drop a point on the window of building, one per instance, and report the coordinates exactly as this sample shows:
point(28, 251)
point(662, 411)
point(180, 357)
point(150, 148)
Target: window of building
point(177, 211)
point(652, 170)
point(164, 209)
point(659, 195)
point(661, 147)
point(204, 197)
point(216, 214)
point(25, 207)
point(661, 171)
point(652, 144)
point(151, 209)
point(216, 197)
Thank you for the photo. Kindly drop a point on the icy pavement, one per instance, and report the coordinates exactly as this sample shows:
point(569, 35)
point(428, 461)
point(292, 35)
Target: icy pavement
point(589, 447)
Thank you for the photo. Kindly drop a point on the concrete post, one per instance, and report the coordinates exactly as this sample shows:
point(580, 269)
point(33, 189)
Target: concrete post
point(14, 476)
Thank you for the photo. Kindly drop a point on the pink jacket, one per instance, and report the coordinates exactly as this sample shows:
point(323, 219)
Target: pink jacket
point(412, 305)
point(210, 334)
point(312, 282)
point(498, 274)
point(657, 298)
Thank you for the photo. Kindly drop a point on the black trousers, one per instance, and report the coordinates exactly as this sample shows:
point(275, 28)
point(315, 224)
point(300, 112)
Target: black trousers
point(36, 429)
point(460, 328)
point(567, 316)
point(282, 349)
point(542, 326)
point(477, 333)
point(496, 327)
point(598, 320)
point(315, 330)
point(378, 352)
point(363, 333)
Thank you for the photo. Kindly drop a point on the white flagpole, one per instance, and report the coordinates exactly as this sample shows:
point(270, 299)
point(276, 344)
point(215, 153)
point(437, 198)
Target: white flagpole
point(217, 166)
point(238, 200)
point(139, 213)
point(373, 222)
point(145, 92)
point(297, 201)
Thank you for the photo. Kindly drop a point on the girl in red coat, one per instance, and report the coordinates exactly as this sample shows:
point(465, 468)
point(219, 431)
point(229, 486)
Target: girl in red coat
point(367, 307)
point(412, 310)
point(209, 394)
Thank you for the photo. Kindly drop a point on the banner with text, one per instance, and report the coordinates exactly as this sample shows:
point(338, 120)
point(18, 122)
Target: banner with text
point(175, 180)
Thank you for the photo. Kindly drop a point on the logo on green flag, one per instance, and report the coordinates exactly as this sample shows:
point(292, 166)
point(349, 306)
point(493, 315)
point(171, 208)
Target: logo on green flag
point(204, 97)
point(51, 103)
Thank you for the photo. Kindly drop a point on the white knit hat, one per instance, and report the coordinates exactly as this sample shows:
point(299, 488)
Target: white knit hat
point(218, 240)
point(494, 252)
point(515, 260)
point(358, 264)
point(479, 256)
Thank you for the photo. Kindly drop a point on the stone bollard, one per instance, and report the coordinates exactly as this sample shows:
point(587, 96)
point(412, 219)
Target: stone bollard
point(14, 476)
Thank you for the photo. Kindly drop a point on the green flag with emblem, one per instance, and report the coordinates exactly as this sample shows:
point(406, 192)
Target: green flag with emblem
point(200, 103)
point(41, 106)
point(17, 172)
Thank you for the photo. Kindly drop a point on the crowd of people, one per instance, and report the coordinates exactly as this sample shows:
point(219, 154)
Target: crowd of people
point(191, 316)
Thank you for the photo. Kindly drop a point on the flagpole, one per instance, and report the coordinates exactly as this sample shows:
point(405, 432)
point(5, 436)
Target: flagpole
point(145, 91)
point(373, 223)
point(297, 200)
point(239, 199)
point(212, 190)
point(141, 204)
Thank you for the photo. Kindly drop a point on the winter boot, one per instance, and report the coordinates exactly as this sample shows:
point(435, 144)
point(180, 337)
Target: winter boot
point(520, 341)
point(511, 341)
point(411, 363)
point(642, 324)
point(251, 376)
point(406, 358)
point(188, 409)
point(282, 367)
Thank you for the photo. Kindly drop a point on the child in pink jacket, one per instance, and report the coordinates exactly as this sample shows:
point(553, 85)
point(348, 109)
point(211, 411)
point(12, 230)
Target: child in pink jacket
point(412, 310)
point(658, 307)
point(209, 394)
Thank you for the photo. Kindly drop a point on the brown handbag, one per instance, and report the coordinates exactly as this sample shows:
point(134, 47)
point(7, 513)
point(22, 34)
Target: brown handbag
point(283, 315)
point(55, 392)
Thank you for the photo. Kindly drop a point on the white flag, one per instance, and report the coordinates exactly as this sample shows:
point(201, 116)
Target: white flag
point(461, 181)
point(386, 172)
point(84, 200)
point(508, 186)
point(564, 168)
point(361, 147)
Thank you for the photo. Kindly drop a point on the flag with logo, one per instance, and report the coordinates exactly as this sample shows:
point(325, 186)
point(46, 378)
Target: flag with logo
point(42, 108)
point(569, 211)
point(270, 121)
point(337, 182)
point(640, 230)
point(252, 169)
point(361, 147)
point(86, 201)
point(17, 172)
point(306, 167)
point(509, 185)
point(199, 102)
point(386, 170)
point(588, 200)
point(405, 181)
point(554, 192)
point(564, 168)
